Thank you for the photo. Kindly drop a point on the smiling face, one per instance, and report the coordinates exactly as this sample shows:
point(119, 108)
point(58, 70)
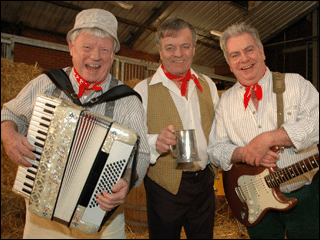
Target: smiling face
point(92, 57)
point(246, 59)
point(176, 52)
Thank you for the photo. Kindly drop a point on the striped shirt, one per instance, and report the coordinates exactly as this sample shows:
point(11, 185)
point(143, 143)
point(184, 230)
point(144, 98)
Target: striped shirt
point(127, 111)
point(235, 127)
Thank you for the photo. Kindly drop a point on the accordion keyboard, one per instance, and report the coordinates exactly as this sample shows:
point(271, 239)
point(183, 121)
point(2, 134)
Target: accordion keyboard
point(37, 134)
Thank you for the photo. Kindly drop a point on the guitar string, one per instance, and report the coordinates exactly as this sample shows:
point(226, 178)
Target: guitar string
point(281, 174)
point(277, 177)
point(258, 185)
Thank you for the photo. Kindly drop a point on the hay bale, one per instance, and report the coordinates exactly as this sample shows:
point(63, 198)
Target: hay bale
point(14, 76)
point(12, 205)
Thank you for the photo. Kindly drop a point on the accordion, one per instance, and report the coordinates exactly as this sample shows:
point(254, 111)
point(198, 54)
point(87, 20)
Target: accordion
point(79, 154)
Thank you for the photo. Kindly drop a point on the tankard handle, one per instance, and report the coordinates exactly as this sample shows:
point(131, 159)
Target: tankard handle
point(171, 148)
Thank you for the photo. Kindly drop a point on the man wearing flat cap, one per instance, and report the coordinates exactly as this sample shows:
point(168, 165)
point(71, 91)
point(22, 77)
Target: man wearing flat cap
point(92, 42)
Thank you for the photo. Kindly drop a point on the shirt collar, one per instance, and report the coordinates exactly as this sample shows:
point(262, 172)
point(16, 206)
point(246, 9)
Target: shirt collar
point(104, 85)
point(166, 81)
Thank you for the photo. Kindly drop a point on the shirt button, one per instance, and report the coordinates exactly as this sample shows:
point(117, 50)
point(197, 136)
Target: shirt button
point(289, 113)
point(259, 126)
point(254, 112)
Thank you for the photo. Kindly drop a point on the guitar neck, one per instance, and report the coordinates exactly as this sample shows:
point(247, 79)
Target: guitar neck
point(292, 171)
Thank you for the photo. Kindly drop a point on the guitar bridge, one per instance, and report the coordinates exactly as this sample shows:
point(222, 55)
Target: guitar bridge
point(240, 194)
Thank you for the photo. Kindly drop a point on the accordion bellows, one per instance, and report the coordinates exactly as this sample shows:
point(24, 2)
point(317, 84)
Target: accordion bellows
point(84, 153)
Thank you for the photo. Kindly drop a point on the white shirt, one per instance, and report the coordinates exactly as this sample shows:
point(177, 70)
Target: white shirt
point(189, 110)
point(234, 126)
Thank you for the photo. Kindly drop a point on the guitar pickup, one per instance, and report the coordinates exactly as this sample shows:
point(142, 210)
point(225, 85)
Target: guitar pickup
point(240, 194)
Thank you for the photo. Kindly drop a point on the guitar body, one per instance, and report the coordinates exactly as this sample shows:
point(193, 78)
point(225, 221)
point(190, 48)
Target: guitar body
point(249, 196)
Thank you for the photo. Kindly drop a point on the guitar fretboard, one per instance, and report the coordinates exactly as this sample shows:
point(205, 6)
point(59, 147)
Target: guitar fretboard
point(292, 171)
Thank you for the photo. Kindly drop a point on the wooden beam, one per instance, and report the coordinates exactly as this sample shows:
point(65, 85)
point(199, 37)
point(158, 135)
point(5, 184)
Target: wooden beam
point(156, 14)
point(140, 25)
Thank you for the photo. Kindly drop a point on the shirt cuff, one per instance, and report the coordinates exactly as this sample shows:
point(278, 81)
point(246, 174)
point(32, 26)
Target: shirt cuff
point(297, 136)
point(7, 115)
point(154, 155)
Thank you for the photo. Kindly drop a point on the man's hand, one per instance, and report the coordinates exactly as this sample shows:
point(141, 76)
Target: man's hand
point(108, 201)
point(165, 139)
point(16, 145)
point(120, 190)
point(257, 153)
point(252, 158)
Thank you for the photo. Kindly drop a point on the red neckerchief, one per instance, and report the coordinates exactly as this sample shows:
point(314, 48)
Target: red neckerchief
point(247, 95)
point(257, 90)
point(85, 85)
point(184, 80)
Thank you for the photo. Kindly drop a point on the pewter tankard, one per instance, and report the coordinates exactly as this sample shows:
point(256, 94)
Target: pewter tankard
point(186, 147)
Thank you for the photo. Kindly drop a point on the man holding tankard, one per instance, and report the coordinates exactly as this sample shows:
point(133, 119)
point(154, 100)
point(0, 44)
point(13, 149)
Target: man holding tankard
point(178, 197)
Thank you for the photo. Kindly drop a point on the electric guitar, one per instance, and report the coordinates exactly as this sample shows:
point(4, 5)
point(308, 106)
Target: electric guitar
point(252, 191)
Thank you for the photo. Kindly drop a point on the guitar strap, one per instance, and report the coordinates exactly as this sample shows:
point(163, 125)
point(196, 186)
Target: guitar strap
point(278, 89)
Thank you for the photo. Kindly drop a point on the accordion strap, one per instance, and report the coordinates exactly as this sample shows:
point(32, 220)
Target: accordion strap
point(113, 94)
point(62, 81)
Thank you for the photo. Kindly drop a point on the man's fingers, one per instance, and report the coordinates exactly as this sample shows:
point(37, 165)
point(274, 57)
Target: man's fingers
point(27, 144)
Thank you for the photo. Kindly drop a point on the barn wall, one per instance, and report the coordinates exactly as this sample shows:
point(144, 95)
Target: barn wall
point(49, 59)
point(46, 58)
point(49, 51)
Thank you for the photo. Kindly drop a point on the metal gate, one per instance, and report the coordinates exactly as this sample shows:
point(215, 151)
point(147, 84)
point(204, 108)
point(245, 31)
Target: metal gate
point(127, 69)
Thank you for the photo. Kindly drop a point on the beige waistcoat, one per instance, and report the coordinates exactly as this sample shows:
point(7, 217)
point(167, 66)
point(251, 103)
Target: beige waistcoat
point(161, 113)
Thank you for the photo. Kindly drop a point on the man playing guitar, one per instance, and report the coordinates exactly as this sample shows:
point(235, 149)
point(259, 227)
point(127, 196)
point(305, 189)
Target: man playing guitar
point(245, 133)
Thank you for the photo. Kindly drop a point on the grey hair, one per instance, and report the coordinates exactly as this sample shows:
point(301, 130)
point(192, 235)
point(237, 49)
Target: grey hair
point(237, 29)
point(93, 31)
point(170, 28)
